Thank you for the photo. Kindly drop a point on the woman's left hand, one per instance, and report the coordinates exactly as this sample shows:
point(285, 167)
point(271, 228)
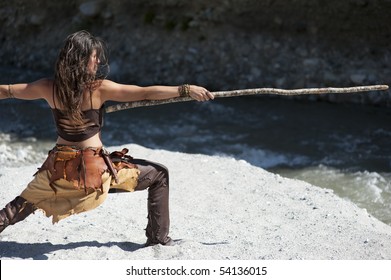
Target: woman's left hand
point(200, 93)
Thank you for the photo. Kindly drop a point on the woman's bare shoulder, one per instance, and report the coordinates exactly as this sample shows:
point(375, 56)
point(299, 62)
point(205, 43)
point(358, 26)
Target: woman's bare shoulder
point(113, 91)
point(46, 86)
point(106, 89)
point(107, 84)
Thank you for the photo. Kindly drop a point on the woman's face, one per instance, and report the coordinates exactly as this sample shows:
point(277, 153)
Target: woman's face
point(93, 62)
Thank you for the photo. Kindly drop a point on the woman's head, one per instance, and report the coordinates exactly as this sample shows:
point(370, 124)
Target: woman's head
point(81, 64)
point(77, 52)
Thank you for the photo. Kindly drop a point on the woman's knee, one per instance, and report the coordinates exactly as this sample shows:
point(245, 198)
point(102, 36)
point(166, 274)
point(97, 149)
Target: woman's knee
point(151, 173)
point(163, 170)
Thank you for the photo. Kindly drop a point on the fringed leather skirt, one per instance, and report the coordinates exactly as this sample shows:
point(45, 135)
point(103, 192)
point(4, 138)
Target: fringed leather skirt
point(72, 180)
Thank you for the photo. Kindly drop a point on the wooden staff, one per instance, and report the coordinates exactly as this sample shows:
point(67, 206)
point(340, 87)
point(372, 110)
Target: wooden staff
point(254, 91)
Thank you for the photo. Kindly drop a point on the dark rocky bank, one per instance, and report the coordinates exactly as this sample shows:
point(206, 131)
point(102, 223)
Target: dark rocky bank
point(222, 44)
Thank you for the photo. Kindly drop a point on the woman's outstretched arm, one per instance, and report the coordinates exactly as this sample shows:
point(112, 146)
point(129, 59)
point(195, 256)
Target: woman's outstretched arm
point(29, 91)
point(128, 93)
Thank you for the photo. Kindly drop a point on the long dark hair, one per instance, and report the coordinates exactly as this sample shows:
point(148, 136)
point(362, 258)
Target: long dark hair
point(72, 78)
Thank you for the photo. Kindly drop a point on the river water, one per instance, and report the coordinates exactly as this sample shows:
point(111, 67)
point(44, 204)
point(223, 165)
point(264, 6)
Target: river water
point(343, 147)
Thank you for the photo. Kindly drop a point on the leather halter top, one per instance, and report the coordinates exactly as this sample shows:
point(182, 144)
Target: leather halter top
point(92, 123)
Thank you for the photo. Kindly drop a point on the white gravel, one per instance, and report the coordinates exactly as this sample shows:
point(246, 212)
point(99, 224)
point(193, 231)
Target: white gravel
point(221, 209)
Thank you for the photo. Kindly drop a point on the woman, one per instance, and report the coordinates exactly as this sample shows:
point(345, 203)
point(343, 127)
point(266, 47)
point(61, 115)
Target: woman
point(78, 173)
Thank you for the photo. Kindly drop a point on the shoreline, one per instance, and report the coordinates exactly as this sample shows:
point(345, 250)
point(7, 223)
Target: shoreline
point(221, 208)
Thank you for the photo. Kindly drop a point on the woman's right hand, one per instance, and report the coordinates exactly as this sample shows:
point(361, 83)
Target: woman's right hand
point(200, 94)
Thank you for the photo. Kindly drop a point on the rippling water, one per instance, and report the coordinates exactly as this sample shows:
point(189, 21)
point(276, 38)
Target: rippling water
point(344, 147)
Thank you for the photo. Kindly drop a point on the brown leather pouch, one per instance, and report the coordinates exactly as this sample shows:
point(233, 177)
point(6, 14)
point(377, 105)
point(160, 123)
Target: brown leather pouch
point(120, 159)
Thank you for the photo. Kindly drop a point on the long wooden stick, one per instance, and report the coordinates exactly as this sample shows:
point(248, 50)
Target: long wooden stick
point(254, 91)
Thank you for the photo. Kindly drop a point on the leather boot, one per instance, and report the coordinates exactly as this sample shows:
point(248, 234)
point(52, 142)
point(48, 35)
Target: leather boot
point(155, 176)
point(15, 211)
point(158, 212)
